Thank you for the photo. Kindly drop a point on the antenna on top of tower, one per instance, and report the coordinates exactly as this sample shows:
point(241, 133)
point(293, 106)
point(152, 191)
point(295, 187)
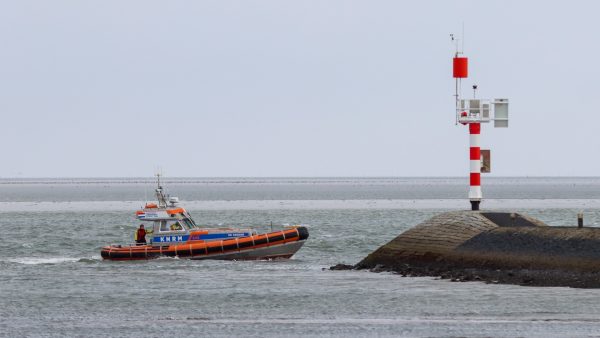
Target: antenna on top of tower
point(455, 41)
point(462, 48)
point(459, 43)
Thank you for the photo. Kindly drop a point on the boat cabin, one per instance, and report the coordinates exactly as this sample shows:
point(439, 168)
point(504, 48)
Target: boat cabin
point(175, 225)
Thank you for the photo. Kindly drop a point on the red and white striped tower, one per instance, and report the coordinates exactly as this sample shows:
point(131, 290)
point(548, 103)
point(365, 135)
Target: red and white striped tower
point(475, 156)
point(460, 70)
point(474, 112)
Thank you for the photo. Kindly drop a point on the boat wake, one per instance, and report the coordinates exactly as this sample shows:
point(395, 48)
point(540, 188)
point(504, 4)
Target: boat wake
point(51, 260)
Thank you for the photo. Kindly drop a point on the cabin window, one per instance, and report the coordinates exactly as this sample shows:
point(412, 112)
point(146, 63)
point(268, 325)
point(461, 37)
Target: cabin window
point(163, 226)
point(173, 226)
point(176, 226)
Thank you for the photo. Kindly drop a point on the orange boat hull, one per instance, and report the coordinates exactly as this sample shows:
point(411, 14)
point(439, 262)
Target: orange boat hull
point(279, 244)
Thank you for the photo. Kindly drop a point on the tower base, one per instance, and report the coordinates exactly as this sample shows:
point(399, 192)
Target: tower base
point(475, 205)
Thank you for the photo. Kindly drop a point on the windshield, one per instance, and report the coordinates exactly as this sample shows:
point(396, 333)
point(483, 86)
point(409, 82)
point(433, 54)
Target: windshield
point(188, 220)
point(173, 225)
point(190, 224)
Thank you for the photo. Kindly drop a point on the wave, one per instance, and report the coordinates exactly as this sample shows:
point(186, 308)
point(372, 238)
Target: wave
point(51, 260)
point(40, 260)
point(385, 321)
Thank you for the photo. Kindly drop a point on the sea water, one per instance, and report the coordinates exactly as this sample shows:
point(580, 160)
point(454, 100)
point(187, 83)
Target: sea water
point(54, 283)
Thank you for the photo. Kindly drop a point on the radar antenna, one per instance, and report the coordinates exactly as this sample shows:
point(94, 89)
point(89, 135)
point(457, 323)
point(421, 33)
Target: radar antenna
point(160, 194)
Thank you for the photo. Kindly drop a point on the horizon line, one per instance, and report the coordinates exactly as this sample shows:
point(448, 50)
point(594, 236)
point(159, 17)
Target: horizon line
point(277, 177)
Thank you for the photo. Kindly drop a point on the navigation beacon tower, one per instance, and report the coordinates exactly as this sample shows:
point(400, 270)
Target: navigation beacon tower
point(473, 112)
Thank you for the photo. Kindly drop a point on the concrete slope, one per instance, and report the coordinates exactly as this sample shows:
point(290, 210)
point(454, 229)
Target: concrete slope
point(495, 247)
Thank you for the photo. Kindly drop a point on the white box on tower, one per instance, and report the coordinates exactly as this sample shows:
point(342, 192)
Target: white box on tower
point(501, 113)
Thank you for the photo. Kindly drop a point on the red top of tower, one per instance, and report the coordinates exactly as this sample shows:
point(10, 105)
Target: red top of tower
point(460, 67)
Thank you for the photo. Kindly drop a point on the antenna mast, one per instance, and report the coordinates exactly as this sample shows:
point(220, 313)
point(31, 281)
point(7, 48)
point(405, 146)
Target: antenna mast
point(160, 195)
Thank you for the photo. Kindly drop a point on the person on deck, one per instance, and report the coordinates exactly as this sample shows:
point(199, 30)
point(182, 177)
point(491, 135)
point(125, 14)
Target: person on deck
point(141, 235)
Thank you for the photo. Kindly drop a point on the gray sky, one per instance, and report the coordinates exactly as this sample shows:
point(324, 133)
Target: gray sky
point(292, 88)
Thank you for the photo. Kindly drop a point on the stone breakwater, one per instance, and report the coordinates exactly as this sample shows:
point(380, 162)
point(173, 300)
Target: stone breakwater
point(493, 247)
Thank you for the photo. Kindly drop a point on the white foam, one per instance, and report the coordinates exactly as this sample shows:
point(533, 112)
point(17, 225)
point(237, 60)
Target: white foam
point(39, 260)
point(390, 321)
point(449, 204)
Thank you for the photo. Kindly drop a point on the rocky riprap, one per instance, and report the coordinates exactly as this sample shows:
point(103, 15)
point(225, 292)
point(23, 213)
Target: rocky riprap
point(493, 247)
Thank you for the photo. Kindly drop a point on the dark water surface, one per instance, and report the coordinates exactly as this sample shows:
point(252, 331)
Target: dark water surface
point(53, 282)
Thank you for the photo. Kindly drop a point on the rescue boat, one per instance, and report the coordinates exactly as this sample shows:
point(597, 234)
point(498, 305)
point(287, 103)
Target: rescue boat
point(175, 234)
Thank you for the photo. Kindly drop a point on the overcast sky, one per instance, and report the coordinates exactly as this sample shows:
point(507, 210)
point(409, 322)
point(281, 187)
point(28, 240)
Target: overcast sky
point(293, 88)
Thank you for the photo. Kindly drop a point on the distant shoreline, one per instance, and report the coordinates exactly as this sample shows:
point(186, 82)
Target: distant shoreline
point(287, 180)
point(316, 204)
